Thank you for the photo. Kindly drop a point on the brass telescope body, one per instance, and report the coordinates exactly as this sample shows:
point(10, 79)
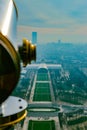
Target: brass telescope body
point(10, 56)
point(10, 53)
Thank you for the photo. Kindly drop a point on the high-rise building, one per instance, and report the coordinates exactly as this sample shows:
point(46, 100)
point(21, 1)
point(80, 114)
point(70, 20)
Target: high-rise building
point(59, 41)
point(34, 37)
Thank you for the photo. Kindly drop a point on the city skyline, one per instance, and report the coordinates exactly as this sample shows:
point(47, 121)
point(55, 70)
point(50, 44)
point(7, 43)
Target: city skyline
point(53, 20)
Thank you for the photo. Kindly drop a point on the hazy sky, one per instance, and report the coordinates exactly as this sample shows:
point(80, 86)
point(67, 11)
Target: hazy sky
point(53, 20)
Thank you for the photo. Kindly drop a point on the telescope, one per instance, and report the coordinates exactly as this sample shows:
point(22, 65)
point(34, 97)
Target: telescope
point(11, 57)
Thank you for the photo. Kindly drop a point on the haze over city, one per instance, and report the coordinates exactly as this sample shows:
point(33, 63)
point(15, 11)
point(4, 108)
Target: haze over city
point(55, 86)
point(53, 20)
point(43, 80)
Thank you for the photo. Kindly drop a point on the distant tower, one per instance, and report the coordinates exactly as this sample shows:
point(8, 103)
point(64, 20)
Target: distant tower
point(34, 37)
point(59, 41)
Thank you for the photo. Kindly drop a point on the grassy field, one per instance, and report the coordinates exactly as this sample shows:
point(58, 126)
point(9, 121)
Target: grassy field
point(44, 97)
point(42, 85)
point(42, 77)
point(41, 125)
point(42, 92)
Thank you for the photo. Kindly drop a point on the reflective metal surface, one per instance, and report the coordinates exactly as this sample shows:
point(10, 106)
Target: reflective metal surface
point(9, 58)
point(8, 20)
point(14, 110)
point(13, 105)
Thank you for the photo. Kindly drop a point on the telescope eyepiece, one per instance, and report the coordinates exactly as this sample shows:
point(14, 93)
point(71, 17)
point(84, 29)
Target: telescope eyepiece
point(27, 52)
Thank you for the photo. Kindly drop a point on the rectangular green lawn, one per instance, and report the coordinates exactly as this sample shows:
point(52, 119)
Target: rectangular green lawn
point(42, 85)
point(40, 97)
point(42, 77)
point(41, 125)
point(42, 92)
